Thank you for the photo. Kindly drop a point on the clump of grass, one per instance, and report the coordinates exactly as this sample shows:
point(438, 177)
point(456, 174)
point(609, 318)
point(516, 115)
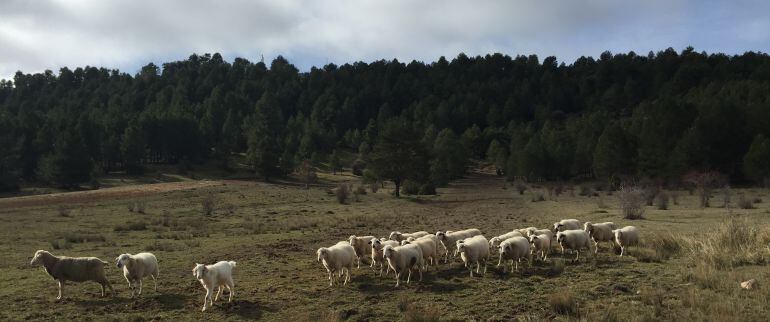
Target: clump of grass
point(414, 313)
point(557, 267)
point(427, 189)
point(80, 237)
point(342, 194)
point(162, 246)
point(131, 226)
point(208, 205)
point(733, 243)
point(410, 188)
point(563, 302)
point(131, 206)
point(537, 196)
point(63, 211)
point(650, 192)
point(662, 200)
point(631, 202)
point(674, 197)
point(585, 191)
point(374, 187)
point(60, 244)
point(520, 186)
point(140, 207)
point(745, 203)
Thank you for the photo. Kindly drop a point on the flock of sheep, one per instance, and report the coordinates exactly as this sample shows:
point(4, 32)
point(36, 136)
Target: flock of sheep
point(135, 268)
point(404, 253)
point(400, 252)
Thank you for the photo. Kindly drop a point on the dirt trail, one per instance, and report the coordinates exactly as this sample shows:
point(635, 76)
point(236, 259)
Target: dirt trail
point(123, 192)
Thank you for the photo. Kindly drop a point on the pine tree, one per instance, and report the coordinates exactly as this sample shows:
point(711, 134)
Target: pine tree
point(399, 154)
point(756, 163)
point(133, 149)
point(262, 130)
point(614, 152)
point(69, 164)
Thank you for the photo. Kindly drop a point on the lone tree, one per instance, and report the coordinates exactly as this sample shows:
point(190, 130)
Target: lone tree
point(755, 163)
point(399, 155)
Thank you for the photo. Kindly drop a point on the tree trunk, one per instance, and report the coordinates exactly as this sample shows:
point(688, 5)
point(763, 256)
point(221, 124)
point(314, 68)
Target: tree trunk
point(397, 182)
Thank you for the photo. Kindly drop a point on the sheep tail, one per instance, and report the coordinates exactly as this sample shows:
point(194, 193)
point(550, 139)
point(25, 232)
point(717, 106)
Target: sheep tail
point(232, 263)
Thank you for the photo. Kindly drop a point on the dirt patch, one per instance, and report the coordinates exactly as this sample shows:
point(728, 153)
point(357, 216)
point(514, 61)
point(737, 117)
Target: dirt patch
point(106, 193)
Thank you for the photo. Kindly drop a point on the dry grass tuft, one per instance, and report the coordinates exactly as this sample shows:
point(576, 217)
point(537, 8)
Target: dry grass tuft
point(631, 202)
point(563, 302)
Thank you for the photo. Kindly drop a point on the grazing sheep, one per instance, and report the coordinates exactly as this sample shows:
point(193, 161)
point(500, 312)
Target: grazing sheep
point(404, 258)
point(494, 242)
point(514, 249)
point(574, 240)
point(449, 238)
point(601, 232)
point(377, 256)
point(361, 246)
point(523, 231)
point(474, 250)
point(566, 224)
point(337, 258)
point(541, 244)
point(626, 236)
point(136, 267)
point(429, 248)
point(399, 236)
point(215, 277)
point(74, 269)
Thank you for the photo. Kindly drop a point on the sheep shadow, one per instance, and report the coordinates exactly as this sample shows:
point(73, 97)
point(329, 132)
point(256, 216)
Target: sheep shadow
point(246, 309)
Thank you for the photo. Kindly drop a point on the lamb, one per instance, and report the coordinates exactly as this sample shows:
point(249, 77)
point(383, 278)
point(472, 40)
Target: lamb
point(215, 277)
point(474, 250)
point(514, 249)
point(136, 267)
point(337, 258)
point(601, 232)
point(429, 248)
point(404, 258)
point(494, 242)
point(574, 240)
point(566, 224)
point(626, 236)
point(361, 246)
point(399, 236)
point(74, 269)
point(450, 238)
point(541, 244)
point(377, 256)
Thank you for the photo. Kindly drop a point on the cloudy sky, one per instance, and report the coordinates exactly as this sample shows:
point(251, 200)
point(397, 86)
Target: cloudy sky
point(126, 34)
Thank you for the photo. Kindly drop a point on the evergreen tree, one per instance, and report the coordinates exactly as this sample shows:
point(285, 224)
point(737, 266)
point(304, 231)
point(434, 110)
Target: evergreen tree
point(498, 156)
point(334, 161)
point(447, 149)
point(262, 131)
point(399, 154)
point(614, 152)
point(133, 149)
point(69, 164)
point(756, 163)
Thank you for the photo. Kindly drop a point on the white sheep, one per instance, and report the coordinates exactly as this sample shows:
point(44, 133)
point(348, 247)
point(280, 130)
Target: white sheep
point(626, 236)
point(404, 258)
point(523, 231)
point(399, 236)
point(136, 267)
point(574, 240)
point(474, 250)
point(337, 259)
point(428, 246)
point(566, 224)
point(215, 277)
point(74, 269)
point(494, 242)
point(449, 239)
point(377, 256)
point(514, 249)
point(361, 246)
point(541, 244)
point(600, 232)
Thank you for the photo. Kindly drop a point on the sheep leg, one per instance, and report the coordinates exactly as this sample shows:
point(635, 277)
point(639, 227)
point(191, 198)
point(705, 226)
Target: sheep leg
point(420, 276)
point(219, 290)
point(61, 284)
point(398, 277)
point(155, 283)
point(230, 286)
point(577, 255)
point(206, 298)
point(347, 275)
point(140, 286)
point(485, 268)
point(622, 250)
point(409, 276)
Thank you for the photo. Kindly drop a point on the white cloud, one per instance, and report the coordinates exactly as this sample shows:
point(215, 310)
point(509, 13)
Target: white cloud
point(48, 34)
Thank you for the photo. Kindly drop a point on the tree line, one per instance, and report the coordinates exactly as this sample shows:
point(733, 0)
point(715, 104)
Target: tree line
point(659, 115)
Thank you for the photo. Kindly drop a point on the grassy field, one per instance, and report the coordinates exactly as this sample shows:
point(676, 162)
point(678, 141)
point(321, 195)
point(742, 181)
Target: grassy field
point(689, 267)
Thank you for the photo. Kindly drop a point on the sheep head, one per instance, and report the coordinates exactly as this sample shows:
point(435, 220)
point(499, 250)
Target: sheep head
point(396, 235)
point(37, 259)
point(199, 271)
point(121, 260)
point(388, 251)
point(322, 253)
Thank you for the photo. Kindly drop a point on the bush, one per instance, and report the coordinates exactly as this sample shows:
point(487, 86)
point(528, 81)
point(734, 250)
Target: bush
point(520, 186)
point(60, 244)
point(342, 193)
point(650, 192)
point(537, 196)
point(585, 191)
point(374, 187)
point(131, 226)
point(63, 211)
point(563, 302)
point(208, 205)
point(631, 202)
point(427, 189)
point(361, 190)
point(745, 203)
point(358, 167)
point(675, 197)
point(410, 188)
point(140, 206)
point(662, 200)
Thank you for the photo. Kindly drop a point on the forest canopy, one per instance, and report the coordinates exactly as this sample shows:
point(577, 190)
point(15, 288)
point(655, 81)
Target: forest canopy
point(658, 115)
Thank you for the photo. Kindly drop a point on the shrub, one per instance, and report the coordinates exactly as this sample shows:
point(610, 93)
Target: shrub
point(427, 189)
point(60, 244)
point(650, 192)
point(208, 205)
point(662, 200)
point(585, 191)
point(675, 197)
point(358, 167)
point(600, 202)
point(131, 207)
point(414, 313)
point(557, 267)
point(131, 226)
point(342, 193)
point(631, 202)
point(361, 190)
point(520, 186)
point(140, 206)
point(733, 243)
point(374, 187)
point(410, 187)
point(563, 302)
point(745, 203)
point(757, 200)
point(537, 196)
